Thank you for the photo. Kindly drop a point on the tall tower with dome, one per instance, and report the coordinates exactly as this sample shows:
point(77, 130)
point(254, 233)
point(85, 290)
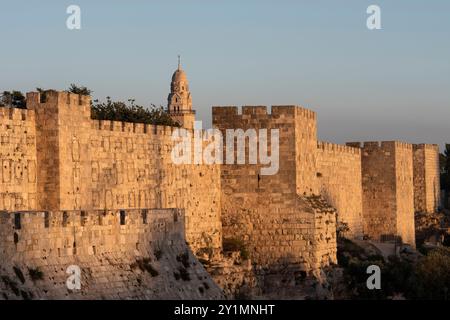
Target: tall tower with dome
point(179, 102)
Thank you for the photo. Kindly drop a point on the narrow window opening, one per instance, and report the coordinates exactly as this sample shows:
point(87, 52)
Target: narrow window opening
point(122, 217)
point(46, 219)
point(65, 219)
point(144, 216)
point(17, 221)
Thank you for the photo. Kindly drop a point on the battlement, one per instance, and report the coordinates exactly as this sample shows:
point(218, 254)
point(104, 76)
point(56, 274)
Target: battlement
point(424, 146)
point(16, 114)
point(130, 127)
point(55, 97)
point(383, 145)
point(276, 111)
point(331, 147)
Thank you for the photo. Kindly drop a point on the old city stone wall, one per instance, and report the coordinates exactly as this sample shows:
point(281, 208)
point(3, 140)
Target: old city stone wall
point(426, 178)
point(132, 168)
point(89, 164)
point(75, 180)
point(18, 159)
point(122, 254)
point(339, 176)
point(278, 217)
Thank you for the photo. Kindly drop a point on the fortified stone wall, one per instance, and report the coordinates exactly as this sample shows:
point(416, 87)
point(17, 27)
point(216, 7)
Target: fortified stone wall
point(340, 182)
point(65, 167)
point(122, 254)
point(277, 217)
point(132, 168)
point(86, 164)
point(426, 178)
point(387, 183)
point(18, 159)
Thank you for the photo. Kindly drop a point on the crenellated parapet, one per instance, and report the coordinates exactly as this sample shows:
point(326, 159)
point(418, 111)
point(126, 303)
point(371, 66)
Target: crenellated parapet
point(15, 114)
point(58, 97)
point(381, 145)
point(338, 148)
point(129, 127)
point(262, 111)
point(425, 146)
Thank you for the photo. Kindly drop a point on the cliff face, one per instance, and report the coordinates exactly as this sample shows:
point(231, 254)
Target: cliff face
point(133, 254)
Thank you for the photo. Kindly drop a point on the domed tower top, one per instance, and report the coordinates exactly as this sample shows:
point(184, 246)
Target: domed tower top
point(179, 102)
point(179, 74)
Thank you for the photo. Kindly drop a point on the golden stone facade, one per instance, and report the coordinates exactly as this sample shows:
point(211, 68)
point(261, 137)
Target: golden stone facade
point(56, 160)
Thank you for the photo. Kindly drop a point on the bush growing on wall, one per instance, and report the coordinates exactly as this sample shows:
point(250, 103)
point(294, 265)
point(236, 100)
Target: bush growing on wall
point(125, 111)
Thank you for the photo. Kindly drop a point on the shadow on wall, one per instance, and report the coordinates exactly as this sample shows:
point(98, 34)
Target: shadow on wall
point(121, 254)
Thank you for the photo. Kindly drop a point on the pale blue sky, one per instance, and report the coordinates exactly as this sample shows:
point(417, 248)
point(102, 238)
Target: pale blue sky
point(365, 85)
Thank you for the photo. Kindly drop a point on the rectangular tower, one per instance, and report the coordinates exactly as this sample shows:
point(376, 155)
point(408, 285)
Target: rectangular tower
point(426, 178)
point(280, 218)
point(62, 148)
point(388, 193)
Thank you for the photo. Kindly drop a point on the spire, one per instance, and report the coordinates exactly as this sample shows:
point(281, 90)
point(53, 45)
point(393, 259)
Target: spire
point(179, 62)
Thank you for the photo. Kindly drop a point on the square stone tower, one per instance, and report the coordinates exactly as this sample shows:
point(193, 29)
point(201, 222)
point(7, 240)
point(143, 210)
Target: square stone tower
point(426, 178)
point(62, 141)
point(388, 192)
point(280, 218)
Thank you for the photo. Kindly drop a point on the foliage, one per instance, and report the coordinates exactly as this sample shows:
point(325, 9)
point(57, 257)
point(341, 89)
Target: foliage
point(13, 99)
point(232, 244)
point(131, 112)
point(80, 90)
point(341, 229)
point(109, 110)
point(35, 274)
point(429, 278)
point(433, 275)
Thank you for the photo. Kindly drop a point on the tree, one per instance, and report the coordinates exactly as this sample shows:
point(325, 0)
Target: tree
point(80, 90)
point(13, 99)
point(433, 275)
point(130, 112)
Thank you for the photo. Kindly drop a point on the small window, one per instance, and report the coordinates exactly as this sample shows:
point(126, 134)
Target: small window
point(46, 219)
point(144, 216)
point(122, 217)
point(83, 218)
point(65, 219)
point(17, 223)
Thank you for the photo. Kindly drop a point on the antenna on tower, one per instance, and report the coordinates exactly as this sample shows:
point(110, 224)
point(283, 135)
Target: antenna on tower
point(179, 62)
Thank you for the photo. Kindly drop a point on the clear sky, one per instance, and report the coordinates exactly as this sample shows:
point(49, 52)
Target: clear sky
point(385, 84)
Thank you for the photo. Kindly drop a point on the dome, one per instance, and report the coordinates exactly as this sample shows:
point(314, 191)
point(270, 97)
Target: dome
point(179, 75)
